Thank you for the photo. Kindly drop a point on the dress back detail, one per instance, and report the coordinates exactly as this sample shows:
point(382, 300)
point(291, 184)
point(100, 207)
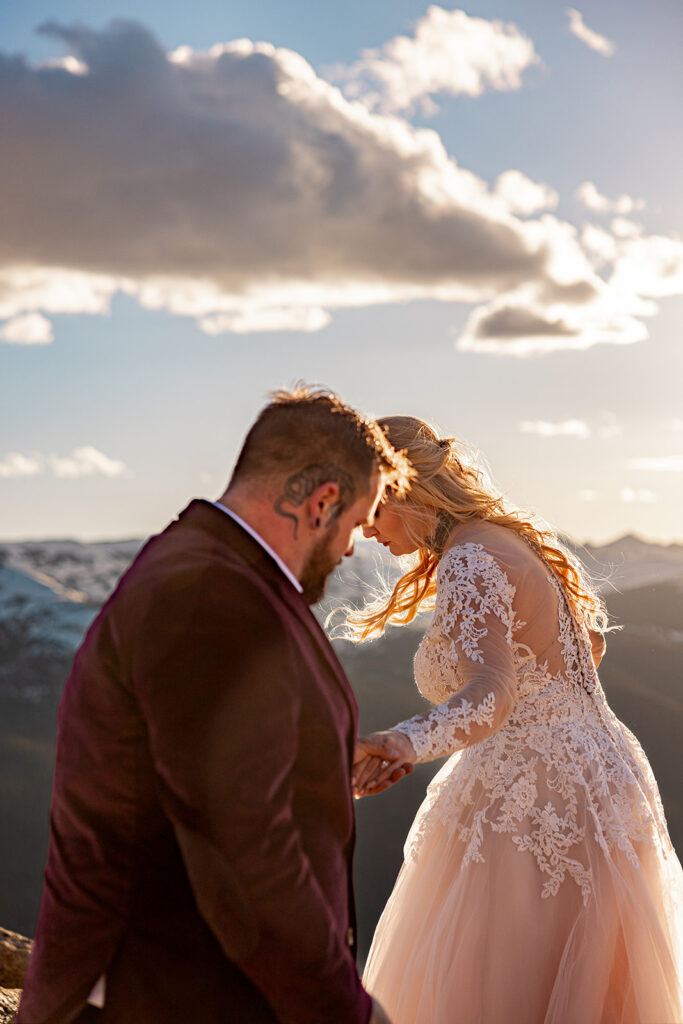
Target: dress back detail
point(539, 754)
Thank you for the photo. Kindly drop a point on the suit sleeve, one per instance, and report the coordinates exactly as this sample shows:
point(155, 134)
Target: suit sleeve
point(221, 699)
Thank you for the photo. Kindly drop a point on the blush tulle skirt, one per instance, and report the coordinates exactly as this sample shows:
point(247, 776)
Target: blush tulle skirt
point(476, 943)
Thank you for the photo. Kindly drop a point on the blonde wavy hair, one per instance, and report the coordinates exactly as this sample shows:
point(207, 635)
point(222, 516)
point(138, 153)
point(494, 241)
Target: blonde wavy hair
point(451, 487)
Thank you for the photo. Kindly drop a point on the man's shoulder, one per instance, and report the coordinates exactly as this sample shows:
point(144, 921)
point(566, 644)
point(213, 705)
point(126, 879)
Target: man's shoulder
point(179, 570)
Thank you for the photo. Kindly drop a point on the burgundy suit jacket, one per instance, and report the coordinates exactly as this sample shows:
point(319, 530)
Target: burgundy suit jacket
point(202, 822)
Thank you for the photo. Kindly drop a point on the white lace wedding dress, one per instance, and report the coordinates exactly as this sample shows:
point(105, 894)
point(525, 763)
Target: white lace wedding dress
point(539, 884)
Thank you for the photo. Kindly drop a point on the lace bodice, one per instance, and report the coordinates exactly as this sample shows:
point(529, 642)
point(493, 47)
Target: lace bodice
point(517, 698)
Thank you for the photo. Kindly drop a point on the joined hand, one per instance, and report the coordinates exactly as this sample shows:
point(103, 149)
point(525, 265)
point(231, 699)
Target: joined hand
point(381, 759)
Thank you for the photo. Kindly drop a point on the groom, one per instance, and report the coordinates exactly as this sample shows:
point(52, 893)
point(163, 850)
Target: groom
point(202, 823)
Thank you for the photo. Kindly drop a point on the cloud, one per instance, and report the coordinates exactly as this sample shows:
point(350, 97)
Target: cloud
point(574, 308)
point(588, 194)
point(70, 64)
point(449, 54)
point(640, 495)
point(524, 196)
point(658, 464)
point(624, 228)
point(275, 318)
point(599, 243)
point(650, 266)
point(15, 464)
point(29, 329)
point(53, 289)
point(592, 39)
point(506, 329)
point(86, 461)
point(565, 428)
point(525, 330)
point(237, 187)
point(608, 427)
point(234, 186)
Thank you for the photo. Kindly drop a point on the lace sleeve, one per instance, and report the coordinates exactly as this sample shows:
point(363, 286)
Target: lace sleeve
point(474, 609)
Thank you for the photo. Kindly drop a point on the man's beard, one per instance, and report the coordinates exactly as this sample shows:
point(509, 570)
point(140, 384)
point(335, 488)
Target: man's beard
point(319, 565)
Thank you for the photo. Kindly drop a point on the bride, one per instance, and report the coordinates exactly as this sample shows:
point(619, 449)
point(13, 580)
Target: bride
point(539, 884)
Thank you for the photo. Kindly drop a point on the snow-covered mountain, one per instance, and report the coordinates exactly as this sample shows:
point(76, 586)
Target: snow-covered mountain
point(74, 570)
point(50, 591)
point(87, 572)
point(39, 630)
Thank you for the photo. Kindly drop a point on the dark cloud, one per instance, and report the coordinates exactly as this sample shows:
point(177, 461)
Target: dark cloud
point(578, 293)
point(512, 322)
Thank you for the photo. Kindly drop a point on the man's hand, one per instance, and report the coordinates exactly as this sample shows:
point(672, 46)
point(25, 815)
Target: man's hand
point(381, 759)
point(374, 766)
point(378, 1015)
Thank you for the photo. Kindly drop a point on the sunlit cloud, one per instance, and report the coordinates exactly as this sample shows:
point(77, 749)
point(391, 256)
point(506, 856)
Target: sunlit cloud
point(622, 227)
point(524, 196)
point(635, 269)
point(16, 465)
point(631, 495)
point(285, 201)
point(69, 63)
point(588, 194)
point(600, 244)
point(651, 265)
point(592, 39)
point(27, 329)
point(59, 289)
point(289, 200)
point(274, 318)
point(608, 427)
point(86, 461)
point(563, 428)
point(449, 54)
point(536, 321)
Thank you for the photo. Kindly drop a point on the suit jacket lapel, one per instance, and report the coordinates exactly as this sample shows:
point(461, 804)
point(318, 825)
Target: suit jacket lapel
point(317, 633)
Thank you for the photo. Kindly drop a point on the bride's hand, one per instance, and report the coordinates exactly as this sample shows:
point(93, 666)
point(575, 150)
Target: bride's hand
point(380, 760)
point(374, 768)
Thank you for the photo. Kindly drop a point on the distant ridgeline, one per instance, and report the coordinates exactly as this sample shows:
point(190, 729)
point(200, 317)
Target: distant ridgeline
point(50, 591)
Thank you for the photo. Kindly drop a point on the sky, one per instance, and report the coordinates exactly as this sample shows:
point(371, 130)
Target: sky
point(472, 215)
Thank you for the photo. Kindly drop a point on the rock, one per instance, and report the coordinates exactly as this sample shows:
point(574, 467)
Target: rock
point(9, 1003)
point(15, 952)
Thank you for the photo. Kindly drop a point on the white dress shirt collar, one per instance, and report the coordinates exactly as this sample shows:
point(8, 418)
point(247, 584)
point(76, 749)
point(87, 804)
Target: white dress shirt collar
point(266, 547)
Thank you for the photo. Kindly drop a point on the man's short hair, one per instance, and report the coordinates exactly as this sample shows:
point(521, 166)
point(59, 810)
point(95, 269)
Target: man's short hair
point(308, 436)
